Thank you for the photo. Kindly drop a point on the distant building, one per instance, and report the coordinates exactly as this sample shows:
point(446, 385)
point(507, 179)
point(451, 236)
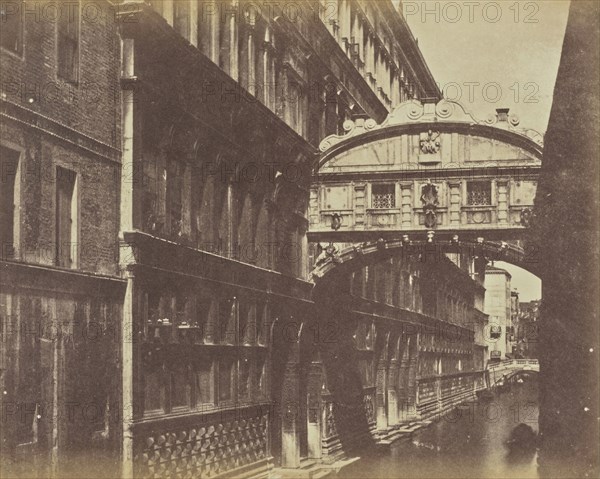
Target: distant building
point(526, 329)
point(498, 305)
point(514, 318)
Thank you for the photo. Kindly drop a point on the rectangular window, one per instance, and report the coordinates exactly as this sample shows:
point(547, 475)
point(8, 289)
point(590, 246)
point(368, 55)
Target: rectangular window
point(205, 387)
point(175, 172)
point(383, 196)
point(260, 373)
point(183, 306)
point(152, 391)
point(479, 193)
point(226, 379)
point(244, 384)
point(245, 322)
point(366, 372)
point(203, 306)
point(66, 218)
point(261, 323)
point(68, 42)
point(180, 388)
point(227, 322)
point(9, 163)
point(11, 31)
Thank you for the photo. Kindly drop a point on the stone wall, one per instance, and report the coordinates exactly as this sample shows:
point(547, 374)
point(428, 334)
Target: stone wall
point(566, 233)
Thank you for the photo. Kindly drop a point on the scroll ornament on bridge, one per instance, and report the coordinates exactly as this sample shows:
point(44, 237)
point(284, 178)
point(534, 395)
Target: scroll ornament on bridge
point(413, 111)
point(526, 216)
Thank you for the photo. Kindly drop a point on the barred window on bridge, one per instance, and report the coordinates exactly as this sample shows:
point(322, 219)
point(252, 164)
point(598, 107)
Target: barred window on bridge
point(479, 193)
point(383, 196)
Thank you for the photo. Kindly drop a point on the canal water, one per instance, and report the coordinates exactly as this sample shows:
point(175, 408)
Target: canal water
point(475, 440)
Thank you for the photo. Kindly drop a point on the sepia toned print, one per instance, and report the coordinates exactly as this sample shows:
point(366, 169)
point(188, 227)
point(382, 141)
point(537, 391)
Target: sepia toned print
point(299, 239)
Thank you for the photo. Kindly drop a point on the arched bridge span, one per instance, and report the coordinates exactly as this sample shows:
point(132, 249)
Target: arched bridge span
point(335, 262)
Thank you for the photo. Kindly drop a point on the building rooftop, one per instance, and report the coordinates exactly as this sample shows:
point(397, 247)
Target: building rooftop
point(495, 270)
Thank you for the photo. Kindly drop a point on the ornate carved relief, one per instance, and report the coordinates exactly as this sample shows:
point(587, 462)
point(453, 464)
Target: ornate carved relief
point(330, 429)
point(369, 407)
point(526, 216)
point(429, 198)
point(430, 142)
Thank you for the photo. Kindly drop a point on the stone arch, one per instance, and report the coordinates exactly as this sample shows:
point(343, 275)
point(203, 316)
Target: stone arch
point(330, 267)
point(212, 205)
point(412, 117)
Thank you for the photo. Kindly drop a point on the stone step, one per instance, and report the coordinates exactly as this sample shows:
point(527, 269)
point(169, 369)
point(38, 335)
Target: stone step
point(311, 469)
point(306, 470)
point(403, 431)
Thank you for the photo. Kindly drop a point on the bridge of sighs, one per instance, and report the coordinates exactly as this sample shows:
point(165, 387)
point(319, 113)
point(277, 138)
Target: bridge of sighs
point(404, 217)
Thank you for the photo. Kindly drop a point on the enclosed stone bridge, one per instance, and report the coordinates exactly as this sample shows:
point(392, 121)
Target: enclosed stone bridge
point(430, 176)
point(503, 371)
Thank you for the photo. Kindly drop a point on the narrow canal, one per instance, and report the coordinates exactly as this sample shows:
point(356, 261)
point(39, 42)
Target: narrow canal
point(475, 440)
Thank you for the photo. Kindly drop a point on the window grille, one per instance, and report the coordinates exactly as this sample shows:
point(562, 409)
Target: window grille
point(479, 193)
point(383, 196)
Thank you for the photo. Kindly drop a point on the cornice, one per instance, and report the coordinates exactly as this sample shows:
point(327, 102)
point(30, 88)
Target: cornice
point(37, 121)
point(21, 275)
point(444, 116)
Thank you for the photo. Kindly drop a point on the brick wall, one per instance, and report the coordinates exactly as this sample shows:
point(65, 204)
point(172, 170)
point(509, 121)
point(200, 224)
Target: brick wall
point(52, 123)
point(90, 107)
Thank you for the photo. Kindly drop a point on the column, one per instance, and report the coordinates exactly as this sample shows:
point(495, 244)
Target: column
point(233, 41)
point(266, 85)
point(131, 166)
point(314, 403)
point(395, 94)
point(167, 11)
point(290, 410)
point(455, 200)
point(215, 45)
point(345, 18)
point(186, 202)
point(251, 59)
point(230, 223)
point(127, 370)
point(303, 249)
point(194, 23)
point(381, 394)
point(502, 191)
point(330, 110)
point(381, 381)
point(392, 395)
point(402, 397)
point(412, 376)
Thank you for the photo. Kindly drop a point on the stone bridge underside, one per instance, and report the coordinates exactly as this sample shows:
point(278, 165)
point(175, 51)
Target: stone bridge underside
point(335, 263)
point(430, 178)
